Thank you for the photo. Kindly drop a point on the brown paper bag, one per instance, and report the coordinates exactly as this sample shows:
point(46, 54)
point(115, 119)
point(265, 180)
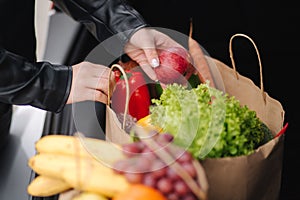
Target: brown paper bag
point(114, 130)
point(256, 176)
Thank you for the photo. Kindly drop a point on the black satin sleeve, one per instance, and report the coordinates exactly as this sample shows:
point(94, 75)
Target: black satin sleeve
point(41, 84)
point(104, 18)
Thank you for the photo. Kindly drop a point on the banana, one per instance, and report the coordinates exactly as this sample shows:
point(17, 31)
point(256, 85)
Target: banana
point(52, 165)
point(61, 144)
point(44, 186)
point(81, 173)
point(92, 181)
point(80, 146)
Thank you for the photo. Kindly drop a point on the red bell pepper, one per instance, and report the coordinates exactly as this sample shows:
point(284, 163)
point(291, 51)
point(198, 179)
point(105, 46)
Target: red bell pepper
point(139, 101)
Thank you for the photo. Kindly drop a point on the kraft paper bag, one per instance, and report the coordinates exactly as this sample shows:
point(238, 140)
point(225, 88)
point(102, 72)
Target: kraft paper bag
point(251, 177)
point(258, 175)
point(114, 132)
point(114, 129)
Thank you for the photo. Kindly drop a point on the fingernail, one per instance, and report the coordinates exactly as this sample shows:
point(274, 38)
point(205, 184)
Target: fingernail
point(154, 63)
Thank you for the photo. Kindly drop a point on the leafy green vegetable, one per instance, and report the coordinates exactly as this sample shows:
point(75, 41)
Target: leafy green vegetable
point(207, 122)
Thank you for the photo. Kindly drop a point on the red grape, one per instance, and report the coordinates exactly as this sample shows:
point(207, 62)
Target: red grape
point(131, 149)
point(164, 185)
point(171, 174)
point(143, 165)
point(172, 196)
point(159, 169)
point(181, 188)
point(183, 156)
point(134, 177)
point(190, 169)
point(120, 166)
point(164, 138)
point(149, 180)
point(189, 196)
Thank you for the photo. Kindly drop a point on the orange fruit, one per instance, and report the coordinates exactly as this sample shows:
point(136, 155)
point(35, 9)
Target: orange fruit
point(140, 192)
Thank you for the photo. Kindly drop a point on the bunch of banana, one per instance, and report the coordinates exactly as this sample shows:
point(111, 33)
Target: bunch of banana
point(63, 163)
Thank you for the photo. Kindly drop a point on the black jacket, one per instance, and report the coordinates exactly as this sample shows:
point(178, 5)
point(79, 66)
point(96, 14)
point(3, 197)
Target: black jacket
point(41, 84)
point(46, 86)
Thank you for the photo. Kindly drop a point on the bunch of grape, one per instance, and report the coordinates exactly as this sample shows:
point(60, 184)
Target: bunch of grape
point(142, 165)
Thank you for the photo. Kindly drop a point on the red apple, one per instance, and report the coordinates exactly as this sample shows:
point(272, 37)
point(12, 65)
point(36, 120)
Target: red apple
point(174, 62)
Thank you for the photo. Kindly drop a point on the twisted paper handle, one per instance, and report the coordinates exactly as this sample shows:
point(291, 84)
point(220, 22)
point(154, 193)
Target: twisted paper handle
point(127, 90)
point(259, 61)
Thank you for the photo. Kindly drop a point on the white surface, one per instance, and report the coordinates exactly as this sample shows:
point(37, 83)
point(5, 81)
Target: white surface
point(28, 124)
point(42, 13)
point(26, 129)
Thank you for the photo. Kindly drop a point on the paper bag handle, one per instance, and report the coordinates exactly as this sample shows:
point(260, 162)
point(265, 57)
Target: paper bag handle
point(127, 91)
point(259, 61)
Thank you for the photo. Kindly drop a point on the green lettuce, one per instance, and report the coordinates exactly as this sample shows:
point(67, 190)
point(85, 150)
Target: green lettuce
point(207, 122)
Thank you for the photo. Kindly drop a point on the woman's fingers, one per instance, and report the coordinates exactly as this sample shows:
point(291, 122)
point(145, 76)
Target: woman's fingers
point(90, 82)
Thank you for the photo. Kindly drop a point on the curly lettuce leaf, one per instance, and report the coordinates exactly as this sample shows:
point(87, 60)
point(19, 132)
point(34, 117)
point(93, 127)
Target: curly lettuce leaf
point(207, 122)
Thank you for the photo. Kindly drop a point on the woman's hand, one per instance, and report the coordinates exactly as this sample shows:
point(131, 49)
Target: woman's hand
point(90, 82)
point(143, 45)
point(143, 48)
